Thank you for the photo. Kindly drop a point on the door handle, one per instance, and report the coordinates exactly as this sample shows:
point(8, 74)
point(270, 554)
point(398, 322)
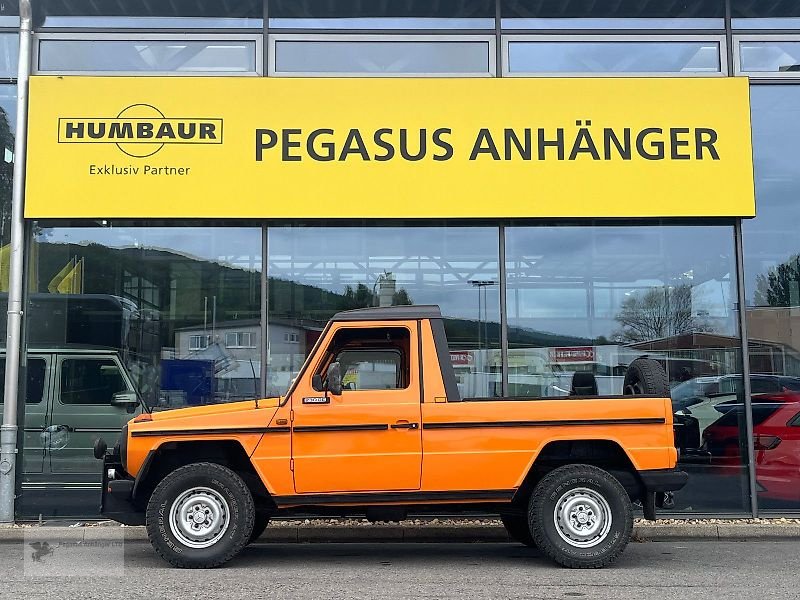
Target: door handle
point(405, 425)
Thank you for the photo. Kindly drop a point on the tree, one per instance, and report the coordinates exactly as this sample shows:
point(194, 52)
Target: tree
point(401, 298)
point(780, 286)
point(657, 313)
point(360, 297)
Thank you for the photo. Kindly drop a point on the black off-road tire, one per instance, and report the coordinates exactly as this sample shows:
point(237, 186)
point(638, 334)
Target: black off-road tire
point(518, 529)
point(221, 481)
point(585, 481)
point(260, 523)
point(646, 376)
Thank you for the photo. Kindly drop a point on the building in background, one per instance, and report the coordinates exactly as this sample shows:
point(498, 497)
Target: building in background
point(227, 309)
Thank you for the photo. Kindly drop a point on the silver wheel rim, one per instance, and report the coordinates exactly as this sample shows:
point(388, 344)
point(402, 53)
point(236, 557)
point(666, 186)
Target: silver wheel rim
point(199, 517)
point(582, 518)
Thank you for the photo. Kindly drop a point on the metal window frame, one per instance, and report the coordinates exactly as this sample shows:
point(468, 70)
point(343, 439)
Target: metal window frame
point(135, 36)
point(720, 39)
point(274, 38)
point(754, 37)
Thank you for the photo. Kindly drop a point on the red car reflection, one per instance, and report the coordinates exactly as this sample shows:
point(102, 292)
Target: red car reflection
point(776, 441)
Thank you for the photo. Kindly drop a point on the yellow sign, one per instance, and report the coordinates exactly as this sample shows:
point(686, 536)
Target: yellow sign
point(196, 147)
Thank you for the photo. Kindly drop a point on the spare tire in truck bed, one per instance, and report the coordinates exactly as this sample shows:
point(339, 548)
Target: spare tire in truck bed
point(646, 376)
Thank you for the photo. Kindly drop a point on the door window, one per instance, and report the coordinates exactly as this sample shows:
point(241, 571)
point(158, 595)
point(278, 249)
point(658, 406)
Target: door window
point(37, 369)
point(90, 381)
point(370, 359)
point(371, 369)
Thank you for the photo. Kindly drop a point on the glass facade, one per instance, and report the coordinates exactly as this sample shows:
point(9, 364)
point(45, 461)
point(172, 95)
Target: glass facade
point(162, 55)
point(343, 56)
point(613, 57)
point(192, 313)
point(317, 271)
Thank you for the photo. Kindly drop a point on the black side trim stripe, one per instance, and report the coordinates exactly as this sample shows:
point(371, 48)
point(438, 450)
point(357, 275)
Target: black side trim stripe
point(277, 430)
point(576, 397)
point(319, 428)
point(371, 498)
point(498, 424)
point(218, 431)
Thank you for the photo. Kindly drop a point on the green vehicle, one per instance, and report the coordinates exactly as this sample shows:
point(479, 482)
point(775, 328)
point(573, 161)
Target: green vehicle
point(73, 395)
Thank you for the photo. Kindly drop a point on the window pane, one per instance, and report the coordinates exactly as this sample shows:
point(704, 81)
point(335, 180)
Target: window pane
point(315, 272)
point(162, 298)
point(769, 57)
point(90, 381)
point(148, 13)
point(625, 14)
point(772, 282)
point(409, 14)
point(585, 301)
point(37, 370)
point(8, 122)
point(613, 57)
point(9, 54)
point(370, 370)
point(381, 57)
point(219, 56)
point(756, 14)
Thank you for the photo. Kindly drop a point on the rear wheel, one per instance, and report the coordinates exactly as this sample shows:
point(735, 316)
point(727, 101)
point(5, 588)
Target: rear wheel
point(580, 516)
point(518, 529)
point(200, 516)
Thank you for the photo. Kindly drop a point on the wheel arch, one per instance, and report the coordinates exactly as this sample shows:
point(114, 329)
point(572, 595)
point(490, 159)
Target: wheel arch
point(605, 453)
point(170, 455)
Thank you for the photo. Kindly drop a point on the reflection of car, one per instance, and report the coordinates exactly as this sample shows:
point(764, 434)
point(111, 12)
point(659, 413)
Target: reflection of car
point(776, 441)
point(686, 394)
point(702, 399)
point(73, 395)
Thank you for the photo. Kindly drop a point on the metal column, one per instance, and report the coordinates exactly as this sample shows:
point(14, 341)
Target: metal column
point(748, 404)
point(8, 431)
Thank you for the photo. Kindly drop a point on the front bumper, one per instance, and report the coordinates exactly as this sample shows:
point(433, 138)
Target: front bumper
point(116, 500)
point(663, 480)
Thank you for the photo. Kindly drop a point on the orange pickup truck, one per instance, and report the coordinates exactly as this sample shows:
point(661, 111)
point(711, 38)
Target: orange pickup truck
point(374, 424)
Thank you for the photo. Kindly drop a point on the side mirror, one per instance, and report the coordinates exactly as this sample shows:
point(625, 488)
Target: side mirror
point(316, 382)
point(333, 379)
point(126, 399)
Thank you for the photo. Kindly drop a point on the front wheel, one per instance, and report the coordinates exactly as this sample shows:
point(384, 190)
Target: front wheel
point(200, 516)
point(580, 516)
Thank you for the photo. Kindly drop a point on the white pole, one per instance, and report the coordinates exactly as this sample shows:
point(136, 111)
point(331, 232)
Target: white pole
point(8, 431)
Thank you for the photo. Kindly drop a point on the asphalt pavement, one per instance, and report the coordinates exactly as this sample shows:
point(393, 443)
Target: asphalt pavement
point(652, 570)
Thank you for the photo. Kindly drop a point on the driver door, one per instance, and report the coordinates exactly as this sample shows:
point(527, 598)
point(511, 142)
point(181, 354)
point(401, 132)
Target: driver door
point(83, 411)
point(368, 438)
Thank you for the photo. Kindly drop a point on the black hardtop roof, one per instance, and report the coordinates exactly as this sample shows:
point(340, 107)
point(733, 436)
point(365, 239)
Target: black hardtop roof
point(390, 313)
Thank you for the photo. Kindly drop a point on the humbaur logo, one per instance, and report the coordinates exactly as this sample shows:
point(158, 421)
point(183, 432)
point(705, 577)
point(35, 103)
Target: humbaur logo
point(140, 130)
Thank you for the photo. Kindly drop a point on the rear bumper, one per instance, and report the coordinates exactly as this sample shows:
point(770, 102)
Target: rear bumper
point(116, 500)
point(663, 480)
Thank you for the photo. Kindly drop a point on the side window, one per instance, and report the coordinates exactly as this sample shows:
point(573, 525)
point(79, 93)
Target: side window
point(763, 386)
point(374, 358)
point(90, 381)
point(37, 370)
point(371, 369)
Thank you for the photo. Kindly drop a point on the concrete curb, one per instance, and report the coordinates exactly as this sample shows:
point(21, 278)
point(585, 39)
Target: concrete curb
point(307, 533)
